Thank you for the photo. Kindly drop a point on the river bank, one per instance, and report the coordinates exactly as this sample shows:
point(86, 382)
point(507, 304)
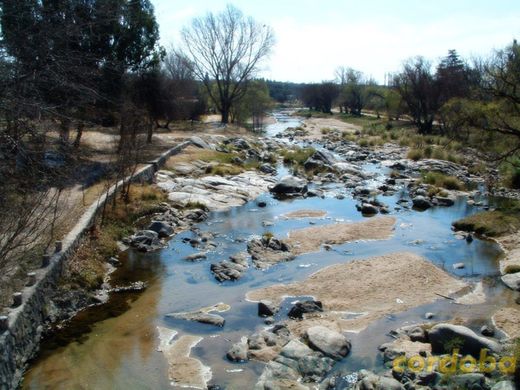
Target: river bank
point(351, 185)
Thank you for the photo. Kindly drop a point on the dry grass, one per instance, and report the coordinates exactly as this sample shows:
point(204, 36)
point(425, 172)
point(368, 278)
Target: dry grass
point(86, 268)
point(502, 221)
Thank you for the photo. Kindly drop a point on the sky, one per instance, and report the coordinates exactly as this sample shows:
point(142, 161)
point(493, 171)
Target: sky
point(314, 37)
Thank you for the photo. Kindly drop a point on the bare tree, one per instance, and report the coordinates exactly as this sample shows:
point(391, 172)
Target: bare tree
point(225, 50)
point(419, 89)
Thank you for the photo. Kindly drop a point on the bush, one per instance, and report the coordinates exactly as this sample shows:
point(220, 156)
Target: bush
point(440, 180)
point(296, 156)
point(491, 223)
point(415, 154)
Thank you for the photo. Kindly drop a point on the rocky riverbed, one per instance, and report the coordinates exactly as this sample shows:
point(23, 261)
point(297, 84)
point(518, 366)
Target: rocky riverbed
point(306, 274)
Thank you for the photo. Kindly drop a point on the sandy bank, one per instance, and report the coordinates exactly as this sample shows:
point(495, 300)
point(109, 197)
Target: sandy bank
point(374, 287)
point(511, 246)
point(312, 238)
point(508, 320)
point(183, 370)
point(305, 214)
point(314, 127)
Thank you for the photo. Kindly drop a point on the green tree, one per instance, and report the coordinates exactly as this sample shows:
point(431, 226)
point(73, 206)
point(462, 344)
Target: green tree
point(254, 105)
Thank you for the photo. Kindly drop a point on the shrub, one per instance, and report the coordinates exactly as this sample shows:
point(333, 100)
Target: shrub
point(363, 142)
point(441, 180)
point(415, 154)
point(491, 223)
point(296, 156)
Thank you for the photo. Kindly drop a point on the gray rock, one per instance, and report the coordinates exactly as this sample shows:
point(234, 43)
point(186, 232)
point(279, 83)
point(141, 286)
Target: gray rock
point(314, 367)
point(504, 385)
point(445, 201)
point(512, 281)
point(239, 258)
point(196, 256)
point(242, 144)
point(261, 340)
point(445, 336)
point(267, 168)
point(290, 185)
point(200, 143)
point(328, 342)
point(161, 228)
point(267, 308)
point(473, 381)
point(421, 203)
point(295, 350)
point(488, 331)
point(145, 241)
point(370, 381)
point(227, 270)
point(300, 308)
point(238, 352)
point(417, 333)
point(369, 209)
point(199, 316)
point(266, 252)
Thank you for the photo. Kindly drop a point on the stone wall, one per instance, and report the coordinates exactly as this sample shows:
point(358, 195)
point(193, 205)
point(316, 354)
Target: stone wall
point(20, 332)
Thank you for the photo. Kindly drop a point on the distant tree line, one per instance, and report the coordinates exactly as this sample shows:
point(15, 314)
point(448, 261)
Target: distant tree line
point(456, 98)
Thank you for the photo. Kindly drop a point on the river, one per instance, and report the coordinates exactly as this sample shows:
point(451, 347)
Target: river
point(114, 346)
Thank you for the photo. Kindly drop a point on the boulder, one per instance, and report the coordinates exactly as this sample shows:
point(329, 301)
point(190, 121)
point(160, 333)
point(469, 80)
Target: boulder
point(196, 256)
point(300, 308)
point(313, 368)
point(267, 308)
point(417, 333)
point(473, 381)
point(199, 316)
point(267, 168)
point(487, 330)
point(266, 252)
point(199, 143)
point(161, 228)
point(367, 380)
point(445, 201)
point(421, 203)
point(145, 241)
point(289, 186)
point(512, 281)
point(504, 385)
point(369, 209)
point(227, 270)
point(445, 336)
point(328, 342)
point(238, 352)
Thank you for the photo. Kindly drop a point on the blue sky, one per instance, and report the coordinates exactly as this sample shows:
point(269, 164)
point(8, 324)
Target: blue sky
point(374, 36)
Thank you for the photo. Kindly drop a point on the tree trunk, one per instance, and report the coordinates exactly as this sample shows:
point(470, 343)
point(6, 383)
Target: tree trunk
point(79, 133)
point(150, 132)
point(224, 117)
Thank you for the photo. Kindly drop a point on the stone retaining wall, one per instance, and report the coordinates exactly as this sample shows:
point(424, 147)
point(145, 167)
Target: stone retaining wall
point(20, 341)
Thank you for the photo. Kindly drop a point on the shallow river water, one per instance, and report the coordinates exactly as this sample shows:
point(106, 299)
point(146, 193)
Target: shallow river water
point(115, 346)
